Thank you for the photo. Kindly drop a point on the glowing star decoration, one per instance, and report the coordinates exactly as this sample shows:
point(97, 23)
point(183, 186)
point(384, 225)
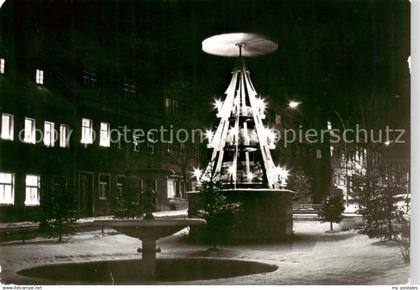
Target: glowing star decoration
point(261, 106)
point(197, 173)
point(282, 175)
point(218, 105)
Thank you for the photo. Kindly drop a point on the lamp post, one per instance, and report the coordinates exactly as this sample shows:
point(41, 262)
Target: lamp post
point(292, 107)
point(344, 126)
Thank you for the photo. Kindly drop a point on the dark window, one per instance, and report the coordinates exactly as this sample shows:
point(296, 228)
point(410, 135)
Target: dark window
point(120, 185)
point(129, 90)
point(89, 79)
point(103, 186)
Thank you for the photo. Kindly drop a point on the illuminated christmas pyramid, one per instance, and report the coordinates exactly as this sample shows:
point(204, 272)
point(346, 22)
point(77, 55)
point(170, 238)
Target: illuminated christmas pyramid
point(241, 144)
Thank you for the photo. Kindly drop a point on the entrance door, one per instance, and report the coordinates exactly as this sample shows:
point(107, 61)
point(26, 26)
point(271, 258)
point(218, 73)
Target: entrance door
point(86, 193)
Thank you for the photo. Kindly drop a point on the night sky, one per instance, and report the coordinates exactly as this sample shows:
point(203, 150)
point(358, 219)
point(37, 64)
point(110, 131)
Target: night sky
point(332, 54)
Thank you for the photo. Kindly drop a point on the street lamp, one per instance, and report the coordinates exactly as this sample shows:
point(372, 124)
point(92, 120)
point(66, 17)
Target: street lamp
point(344, 126)
point(294, 105)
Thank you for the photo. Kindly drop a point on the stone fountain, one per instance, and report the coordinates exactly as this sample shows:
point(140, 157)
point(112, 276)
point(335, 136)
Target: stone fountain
point(149, 230)
point(148, 270)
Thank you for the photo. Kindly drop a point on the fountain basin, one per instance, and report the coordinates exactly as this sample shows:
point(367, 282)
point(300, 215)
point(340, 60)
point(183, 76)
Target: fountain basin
point(151, 229)
point(130, 271)
point(266, 215)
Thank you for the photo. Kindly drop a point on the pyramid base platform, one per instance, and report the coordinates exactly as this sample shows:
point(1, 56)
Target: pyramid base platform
point(266, 216)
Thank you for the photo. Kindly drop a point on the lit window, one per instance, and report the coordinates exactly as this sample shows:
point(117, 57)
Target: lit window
point(2, 63)
point(104, 140)
point(87, 131)
point(171, 188)
point(29, 131)
point(167, 104)
point(64, 136)
point(49, 134)
point(103, 187)
point(32, 189)
point(171, 106)
point(39, 77)
point(7, 190)
point(7, 127)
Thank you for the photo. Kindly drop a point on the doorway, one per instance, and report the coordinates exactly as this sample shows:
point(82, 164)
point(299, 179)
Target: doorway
point(86, 193)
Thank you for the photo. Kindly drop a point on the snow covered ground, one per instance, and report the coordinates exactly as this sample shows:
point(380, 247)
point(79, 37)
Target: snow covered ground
point(313, 257)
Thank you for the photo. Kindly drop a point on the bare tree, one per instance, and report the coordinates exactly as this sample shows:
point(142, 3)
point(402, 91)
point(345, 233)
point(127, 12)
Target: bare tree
point(183, 96)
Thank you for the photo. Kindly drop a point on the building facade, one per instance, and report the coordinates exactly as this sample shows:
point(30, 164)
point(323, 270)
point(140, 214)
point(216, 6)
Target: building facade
point(71, 84)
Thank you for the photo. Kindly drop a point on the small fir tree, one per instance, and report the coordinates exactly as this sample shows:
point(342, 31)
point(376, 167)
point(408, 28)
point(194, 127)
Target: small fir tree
point(378, 204)
point(300, 183)
point(332, 208)
point(218, 212)
point(58, 212)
